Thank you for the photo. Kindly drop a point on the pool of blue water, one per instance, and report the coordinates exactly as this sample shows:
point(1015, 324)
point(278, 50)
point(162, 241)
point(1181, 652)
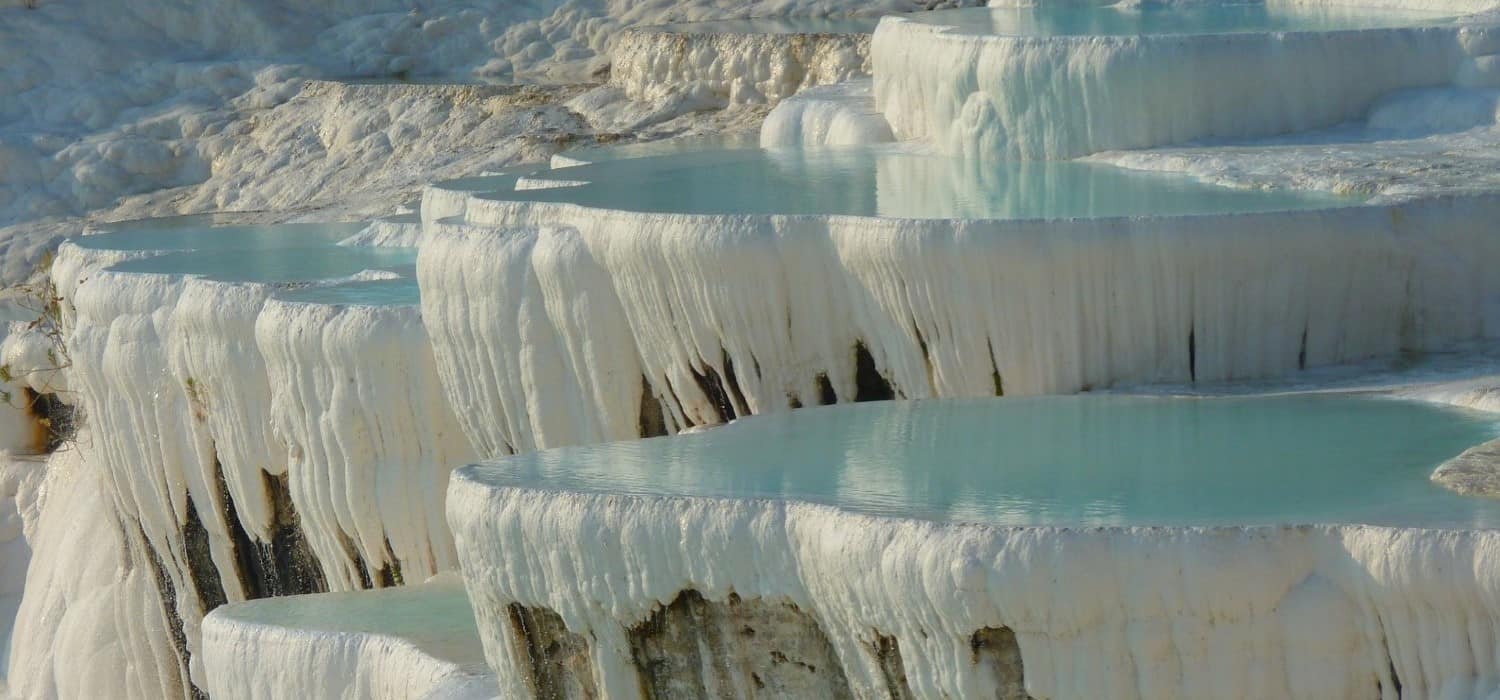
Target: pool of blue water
point(897, 181)
point(1070, 19)
point(391, 292)
point(201, 233)
point(435, 616)
point(1074, 461)
point(663, 147)
point(498, 180)
point(283, 265)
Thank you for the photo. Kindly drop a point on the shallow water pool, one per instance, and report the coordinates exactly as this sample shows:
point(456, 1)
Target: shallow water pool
point(434, 616)
point(392, 292)
point(896, 181)
point(1076, 460)
point(284, 265)
point(200, 233)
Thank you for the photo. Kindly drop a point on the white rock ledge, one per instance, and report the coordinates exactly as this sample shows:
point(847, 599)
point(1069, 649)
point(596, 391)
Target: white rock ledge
point(1476, 472)
point(1040, 98)
point(651, 63)
point(397, 644)
point(843, 114)
point(917, 607)
point(563, 321)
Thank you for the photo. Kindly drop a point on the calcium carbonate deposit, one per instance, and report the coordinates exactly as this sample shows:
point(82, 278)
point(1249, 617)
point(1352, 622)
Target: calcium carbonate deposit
point(797, 349)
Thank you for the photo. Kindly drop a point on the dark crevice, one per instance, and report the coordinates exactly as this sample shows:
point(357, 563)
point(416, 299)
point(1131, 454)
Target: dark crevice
point(996, 649)
point(697, 648)
point(200, 561)
point(995, 370)
point(733, 380)
point(888, 656)
point(247, 565)
point(713, 388)
point(1390, 664)
point(284, 566)
point(826, 395)
point(389, 576)
point(652, 421)
point(168, 595)
point(1193, 354)
point(352, 553)
point(926, 354)
point(1302, 351)
point(558, 659)
point(54, 420)
point(868, 382)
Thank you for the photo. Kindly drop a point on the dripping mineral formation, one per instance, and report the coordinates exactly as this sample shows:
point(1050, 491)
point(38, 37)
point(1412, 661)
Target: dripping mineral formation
point(794, 349)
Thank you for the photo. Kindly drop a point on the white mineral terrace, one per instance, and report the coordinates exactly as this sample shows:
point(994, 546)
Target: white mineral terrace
point(1040, 517)
point(418, 641)
point(1259, 239)
point(738, 62)
point(1008, 82)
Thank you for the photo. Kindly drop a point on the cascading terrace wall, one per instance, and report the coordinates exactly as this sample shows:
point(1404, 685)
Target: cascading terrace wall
point(254, 447)
point(556, 324)
point(987, 96)
point(305, 455)
point(1275, 612)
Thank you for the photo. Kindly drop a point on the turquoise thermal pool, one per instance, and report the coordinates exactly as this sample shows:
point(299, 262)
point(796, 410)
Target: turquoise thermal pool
point(435, 617)
point(896, 181)
point(199, 233)
point(663, 147)
point(277, 265)
point(274, 254)
point(503, 179)
point(1068, 19)
point(1060, 461)
point(391, 292)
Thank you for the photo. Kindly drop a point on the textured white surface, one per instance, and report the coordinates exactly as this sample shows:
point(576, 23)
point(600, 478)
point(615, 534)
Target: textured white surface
point(186, 380)
point(172, 94)
point(20, 486)
point(543, 336)
point(356, 404)
point(530, 339)
point(734, 68)
point(832, 115)
point(91, 624)
point(941, 306)
point(1320, 612)
point(399, 231)
point(267, 649)
point(143, 439)
point(990, 96)
point(1412, 143)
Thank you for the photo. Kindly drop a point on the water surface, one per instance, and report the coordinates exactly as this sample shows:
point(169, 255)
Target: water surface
point(1075, 460)
point(897, 181)
point(200, 233)
point(277, 265)
point(391, 292)
point(434, 616)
